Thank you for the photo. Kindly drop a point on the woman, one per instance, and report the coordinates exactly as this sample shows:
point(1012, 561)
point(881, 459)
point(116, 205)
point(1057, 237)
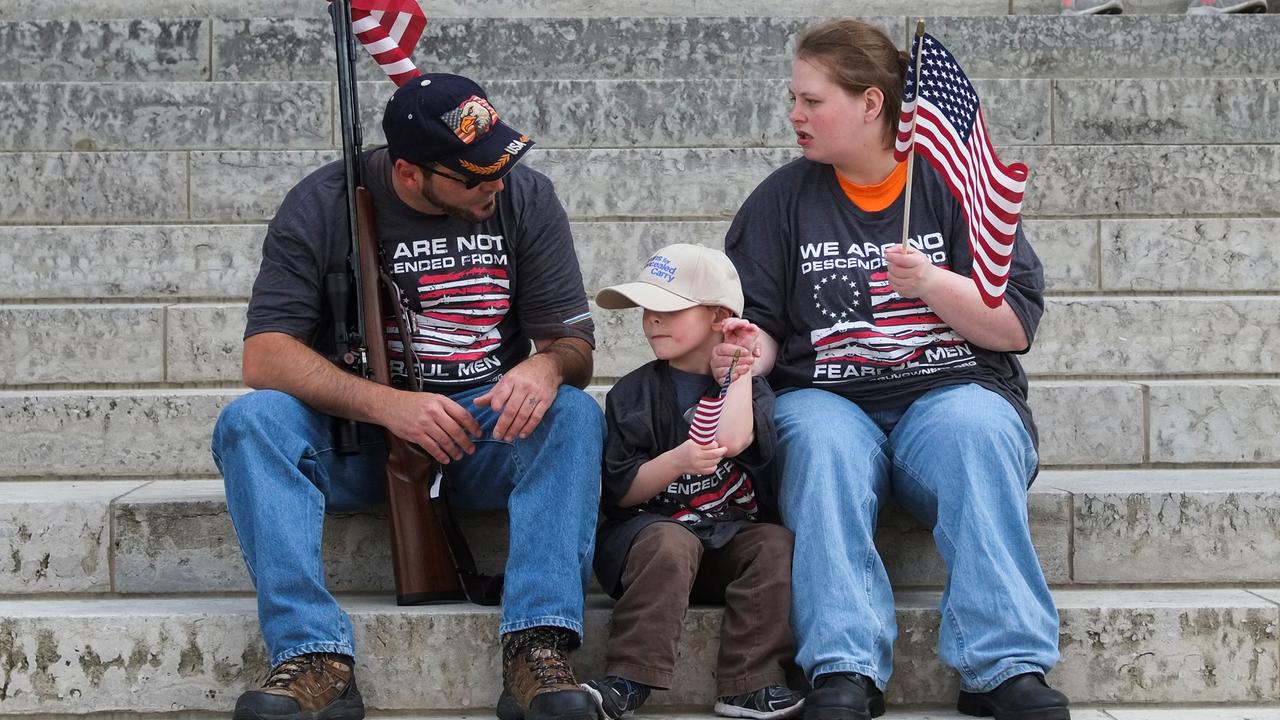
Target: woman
point(895, 381)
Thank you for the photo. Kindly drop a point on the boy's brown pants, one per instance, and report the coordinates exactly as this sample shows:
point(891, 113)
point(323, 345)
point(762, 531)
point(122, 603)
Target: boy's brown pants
point(668, 567)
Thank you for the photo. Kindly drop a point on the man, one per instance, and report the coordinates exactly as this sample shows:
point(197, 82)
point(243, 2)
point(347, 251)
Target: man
point(481, 251)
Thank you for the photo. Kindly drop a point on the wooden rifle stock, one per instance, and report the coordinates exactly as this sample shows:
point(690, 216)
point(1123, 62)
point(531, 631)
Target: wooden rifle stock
point(420, 555)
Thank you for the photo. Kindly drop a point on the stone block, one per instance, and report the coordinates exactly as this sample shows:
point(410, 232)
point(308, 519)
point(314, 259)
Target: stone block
point(176, 536)
point(1234, 712)
point(711, 183)
point(534, 48)
point(203, 342)
point(180, 654)
point(1122, 45)
point(53, 344)
point(1089, 423)
point(675, 113)
point(1069, 251)
point(54, 537)
point(96, 262)
point(1214, 421)
point(1175, 180)
point(1166, 111)
point(1223, 526)
point(92, 187)
point(79, 49)
point(1167, 646)
point(165, 116)
point(1052, 7)
point(23, 9)
point(248, 185)
point(106, 433)
point(1171, 254)
point(1157, 336)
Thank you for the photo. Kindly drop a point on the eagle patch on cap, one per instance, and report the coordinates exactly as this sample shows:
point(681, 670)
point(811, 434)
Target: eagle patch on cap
point(473, 118)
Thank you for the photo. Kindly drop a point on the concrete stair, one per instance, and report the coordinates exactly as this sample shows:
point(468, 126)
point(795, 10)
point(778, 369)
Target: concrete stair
point(143, 148)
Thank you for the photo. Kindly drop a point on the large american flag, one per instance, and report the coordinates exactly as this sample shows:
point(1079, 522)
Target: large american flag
point(951, 135)
point(706, 414)
point(389, 30)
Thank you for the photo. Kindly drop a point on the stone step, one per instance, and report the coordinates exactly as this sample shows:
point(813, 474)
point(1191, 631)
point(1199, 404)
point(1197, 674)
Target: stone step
point(900, 712)
point(1091, 528)
point(1080, 337)
point(125, 9)
point(615, 113)
point(1068, 181)
point(186, 263)
point(178, 654)
point(299, 48)
point(164, 432)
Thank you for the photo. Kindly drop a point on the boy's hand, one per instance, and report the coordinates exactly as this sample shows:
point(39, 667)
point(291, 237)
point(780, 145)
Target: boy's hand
point(690, 458)
point(742, 333)
point(741, 338)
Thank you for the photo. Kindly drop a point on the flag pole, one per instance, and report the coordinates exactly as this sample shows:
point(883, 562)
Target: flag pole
point(911, 151)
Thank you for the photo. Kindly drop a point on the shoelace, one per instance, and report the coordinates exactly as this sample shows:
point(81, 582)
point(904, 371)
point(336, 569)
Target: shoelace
point(283, 675)
point(542, 650)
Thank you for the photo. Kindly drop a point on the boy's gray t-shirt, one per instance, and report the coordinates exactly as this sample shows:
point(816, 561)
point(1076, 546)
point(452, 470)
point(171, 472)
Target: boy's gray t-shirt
point(813, 272)
point(479, 292)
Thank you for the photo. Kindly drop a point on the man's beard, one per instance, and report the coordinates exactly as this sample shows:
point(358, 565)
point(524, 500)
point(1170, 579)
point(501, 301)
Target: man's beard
point(473, 215)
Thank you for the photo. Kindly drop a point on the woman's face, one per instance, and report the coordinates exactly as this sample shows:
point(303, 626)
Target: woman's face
point(830, 123)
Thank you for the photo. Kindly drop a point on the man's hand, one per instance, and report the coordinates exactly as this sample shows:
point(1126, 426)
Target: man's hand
point(690, 458)
point(441, 426)
point(911, 274)
point(522, 396)
point(741, 339)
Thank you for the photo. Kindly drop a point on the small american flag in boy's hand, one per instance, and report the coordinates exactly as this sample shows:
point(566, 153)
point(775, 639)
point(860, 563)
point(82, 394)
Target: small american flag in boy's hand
point(706, 416)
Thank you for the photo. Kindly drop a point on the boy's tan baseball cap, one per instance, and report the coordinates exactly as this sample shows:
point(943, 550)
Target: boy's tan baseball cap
point(678, 277)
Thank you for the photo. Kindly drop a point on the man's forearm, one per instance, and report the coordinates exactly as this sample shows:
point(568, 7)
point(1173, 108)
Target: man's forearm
point(572, 357)
point(276, 361)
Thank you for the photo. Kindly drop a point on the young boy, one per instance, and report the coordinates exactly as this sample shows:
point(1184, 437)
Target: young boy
point(681, 508)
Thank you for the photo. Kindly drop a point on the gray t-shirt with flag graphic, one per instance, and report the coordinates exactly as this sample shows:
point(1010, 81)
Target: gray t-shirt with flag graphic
point(815, 278)
point(478, 292)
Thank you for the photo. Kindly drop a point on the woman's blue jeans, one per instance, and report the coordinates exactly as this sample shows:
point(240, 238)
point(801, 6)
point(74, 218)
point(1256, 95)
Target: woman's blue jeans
point(282, 475)
point(960, 461)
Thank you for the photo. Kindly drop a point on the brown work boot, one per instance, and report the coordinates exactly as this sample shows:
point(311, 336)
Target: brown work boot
point(537, 680)
point(315, 686)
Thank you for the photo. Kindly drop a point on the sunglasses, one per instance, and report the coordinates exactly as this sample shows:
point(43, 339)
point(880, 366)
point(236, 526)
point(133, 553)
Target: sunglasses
point(468, 183)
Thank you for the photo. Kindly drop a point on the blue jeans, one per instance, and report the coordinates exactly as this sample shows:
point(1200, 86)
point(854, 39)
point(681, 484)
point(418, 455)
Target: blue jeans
point(281, 474)
point(960, 461)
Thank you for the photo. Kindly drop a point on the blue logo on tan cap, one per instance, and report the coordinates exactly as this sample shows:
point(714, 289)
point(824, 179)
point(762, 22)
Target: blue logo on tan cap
point(661, 268)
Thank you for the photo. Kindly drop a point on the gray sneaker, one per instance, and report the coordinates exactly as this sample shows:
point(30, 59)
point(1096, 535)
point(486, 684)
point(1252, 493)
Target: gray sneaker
point(1225, 7)
point(1092, 7)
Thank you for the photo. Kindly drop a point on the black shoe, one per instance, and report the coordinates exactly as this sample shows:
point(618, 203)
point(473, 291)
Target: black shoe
point(1021, 697)
point(307, 687)
point(617, 697)
point(769, 703)
point(844, 696)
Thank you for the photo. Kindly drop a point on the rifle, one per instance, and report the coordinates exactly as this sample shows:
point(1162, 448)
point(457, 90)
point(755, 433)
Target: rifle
point(430, 557)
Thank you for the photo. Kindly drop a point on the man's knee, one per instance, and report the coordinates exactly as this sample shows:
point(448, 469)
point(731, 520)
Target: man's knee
point(575, 408)
point(247, 416)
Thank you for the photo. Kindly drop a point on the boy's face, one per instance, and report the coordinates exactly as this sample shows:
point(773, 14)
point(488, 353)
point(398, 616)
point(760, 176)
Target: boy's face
point(674, 335)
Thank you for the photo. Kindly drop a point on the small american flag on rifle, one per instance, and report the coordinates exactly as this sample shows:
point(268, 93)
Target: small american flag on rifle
point(951, 135)
point(706, 414)
point(389, 30)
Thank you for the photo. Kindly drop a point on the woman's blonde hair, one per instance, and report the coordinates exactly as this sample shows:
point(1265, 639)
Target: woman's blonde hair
point(858, 56)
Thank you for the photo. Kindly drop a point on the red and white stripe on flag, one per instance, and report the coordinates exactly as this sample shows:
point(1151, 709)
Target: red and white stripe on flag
point(390, 30)
point(706, 420)
point(952, 136)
